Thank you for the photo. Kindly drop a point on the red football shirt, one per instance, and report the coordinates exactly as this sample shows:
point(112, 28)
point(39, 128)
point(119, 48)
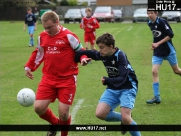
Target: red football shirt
point(91, 21)
point(57, 52)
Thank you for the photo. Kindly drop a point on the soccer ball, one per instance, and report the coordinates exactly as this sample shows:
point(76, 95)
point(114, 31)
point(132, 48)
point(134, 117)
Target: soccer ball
point(26, 97)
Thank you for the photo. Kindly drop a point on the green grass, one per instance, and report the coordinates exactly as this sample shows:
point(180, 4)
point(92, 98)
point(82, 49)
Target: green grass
point(14, 52)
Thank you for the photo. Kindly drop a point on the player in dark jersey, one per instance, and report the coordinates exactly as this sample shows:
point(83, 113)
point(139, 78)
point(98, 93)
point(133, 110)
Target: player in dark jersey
point(163, 49)
point(122, 83)
point(30, 21)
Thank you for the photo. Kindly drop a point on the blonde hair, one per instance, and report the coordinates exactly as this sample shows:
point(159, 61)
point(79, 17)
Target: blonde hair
point(49, 15)
point(88, 9)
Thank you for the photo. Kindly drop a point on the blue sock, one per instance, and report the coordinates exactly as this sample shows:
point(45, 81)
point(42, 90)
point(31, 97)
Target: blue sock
point(32, 41)
point(113, 117)
point(134, 133)
point(156, 89)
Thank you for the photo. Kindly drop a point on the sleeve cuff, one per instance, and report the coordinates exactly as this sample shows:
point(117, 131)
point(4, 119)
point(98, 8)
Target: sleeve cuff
point(27, 68)
point(83, 57)
point(105, 81)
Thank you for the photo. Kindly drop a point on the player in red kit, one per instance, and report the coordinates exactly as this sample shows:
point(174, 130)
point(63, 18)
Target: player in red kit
point(89, 24)
point(56, 49)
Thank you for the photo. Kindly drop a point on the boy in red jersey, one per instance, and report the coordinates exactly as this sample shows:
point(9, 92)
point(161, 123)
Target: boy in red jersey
point(56, 47)
point(89, 24)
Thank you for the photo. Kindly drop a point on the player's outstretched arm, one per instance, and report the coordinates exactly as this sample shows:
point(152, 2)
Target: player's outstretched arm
point(95, 55)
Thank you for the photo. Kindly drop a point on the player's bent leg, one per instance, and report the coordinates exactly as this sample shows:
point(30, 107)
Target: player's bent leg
point(127, 100)
point(63, 110)
point(102, 110)
point(176, 69)
point(126, 116)
point(66, 98)
point(107, 103)
point(64, 116)
point(128, 121)
point(40, 106)
point(172, 59)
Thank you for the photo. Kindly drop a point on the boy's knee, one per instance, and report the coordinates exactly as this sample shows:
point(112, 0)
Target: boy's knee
point(126, 120)
point(101, 115)
point(177, 71)
point(154, 72)
point(39, 110)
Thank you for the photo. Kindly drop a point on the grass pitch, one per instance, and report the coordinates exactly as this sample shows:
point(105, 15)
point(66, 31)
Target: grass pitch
point(134, 39)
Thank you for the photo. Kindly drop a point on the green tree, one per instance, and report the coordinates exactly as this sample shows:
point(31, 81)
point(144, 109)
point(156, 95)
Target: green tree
point(64, 3)
point(72, 2)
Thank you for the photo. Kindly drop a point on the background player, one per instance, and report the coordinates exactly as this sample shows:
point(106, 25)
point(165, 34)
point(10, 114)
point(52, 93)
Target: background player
point(30, 21)
point(122, 83)
point(163, 49)
point(56, 48)
point(89, 24)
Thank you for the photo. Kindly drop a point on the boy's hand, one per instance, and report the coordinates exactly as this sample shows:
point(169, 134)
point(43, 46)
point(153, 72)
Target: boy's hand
point(154, 45)
point(85, 61)
point(89, 26)
point(29, 74)
point(103, 80)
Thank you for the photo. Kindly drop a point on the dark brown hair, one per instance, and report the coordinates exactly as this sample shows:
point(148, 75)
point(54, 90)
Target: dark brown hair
point(155, 11)
point(106, 39)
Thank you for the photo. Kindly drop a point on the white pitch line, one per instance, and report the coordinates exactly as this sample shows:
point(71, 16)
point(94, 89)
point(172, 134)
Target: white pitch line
point(129, 28)
point(75, 109)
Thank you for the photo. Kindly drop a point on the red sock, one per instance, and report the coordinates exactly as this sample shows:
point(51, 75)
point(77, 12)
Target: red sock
point(50, 117)
point(65, 133)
